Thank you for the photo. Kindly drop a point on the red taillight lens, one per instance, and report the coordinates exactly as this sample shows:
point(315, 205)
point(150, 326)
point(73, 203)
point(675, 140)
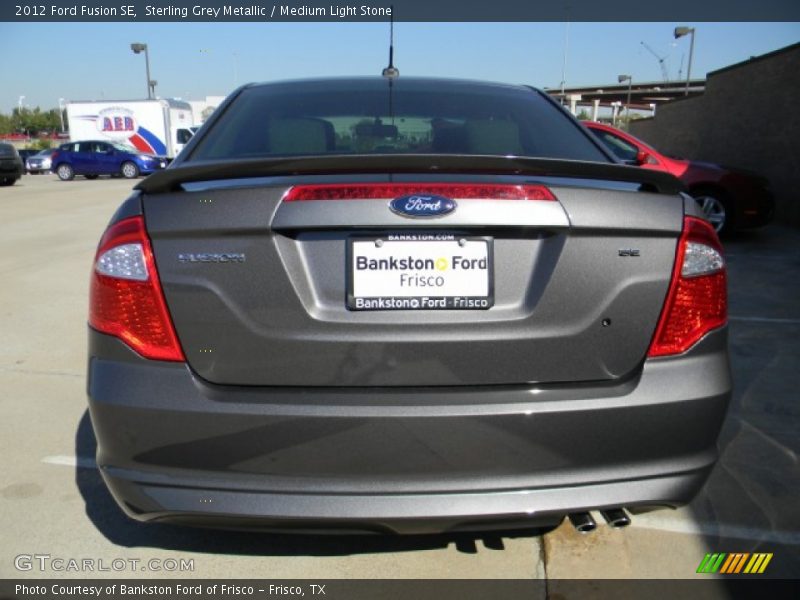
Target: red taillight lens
point(697, 301)
point(373, 191)
point(126, 300)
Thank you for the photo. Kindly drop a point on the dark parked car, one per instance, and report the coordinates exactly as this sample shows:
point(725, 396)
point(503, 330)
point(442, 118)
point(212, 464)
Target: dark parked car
point(11, 166)
point(730, 198)
point(40, 162)
point(408, 306)
point(93, 158)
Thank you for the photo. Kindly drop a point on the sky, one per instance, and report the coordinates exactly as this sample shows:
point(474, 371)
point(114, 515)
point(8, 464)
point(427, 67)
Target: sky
point(93, 61)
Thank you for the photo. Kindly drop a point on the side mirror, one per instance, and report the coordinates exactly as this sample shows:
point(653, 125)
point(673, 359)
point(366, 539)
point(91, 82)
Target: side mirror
point(642, 157)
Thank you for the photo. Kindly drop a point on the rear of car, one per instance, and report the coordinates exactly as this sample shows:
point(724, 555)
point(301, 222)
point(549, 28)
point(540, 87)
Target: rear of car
point(11, 166)
point(406, 306)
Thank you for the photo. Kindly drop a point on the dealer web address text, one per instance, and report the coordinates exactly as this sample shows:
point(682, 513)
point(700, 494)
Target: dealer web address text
point(46, 562)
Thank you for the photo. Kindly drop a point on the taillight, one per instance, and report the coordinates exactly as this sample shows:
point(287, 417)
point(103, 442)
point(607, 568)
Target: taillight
point(126, 300)
point(54, 156)
point(697, 301)
point(372, 191)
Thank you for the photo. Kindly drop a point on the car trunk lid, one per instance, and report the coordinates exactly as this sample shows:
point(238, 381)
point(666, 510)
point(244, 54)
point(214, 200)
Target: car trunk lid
point(260, 289)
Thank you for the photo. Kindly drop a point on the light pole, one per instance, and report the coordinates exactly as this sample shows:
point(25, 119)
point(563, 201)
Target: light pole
point(564, 64)
point(629, 79)
point(680, 32)
point(61, 112)
point(151, 85)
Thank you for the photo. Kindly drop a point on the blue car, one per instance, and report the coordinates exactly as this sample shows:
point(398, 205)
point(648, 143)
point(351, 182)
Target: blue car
point(94, 158)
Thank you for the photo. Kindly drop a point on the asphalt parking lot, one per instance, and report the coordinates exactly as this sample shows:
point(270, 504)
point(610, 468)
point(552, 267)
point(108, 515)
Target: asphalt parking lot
point(53, 502)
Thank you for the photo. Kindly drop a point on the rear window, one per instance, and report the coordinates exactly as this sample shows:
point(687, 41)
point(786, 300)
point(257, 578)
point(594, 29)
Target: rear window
point(369, 118)
point(7, 150)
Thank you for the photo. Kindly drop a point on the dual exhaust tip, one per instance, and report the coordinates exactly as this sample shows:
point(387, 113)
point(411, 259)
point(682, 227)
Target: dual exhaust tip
point(615, 517)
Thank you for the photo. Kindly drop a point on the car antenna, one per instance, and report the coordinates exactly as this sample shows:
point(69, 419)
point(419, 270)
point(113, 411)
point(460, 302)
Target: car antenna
point(391, 72)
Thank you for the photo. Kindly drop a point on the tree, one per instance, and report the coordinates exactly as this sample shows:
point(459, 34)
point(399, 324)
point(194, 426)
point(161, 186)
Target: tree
point(6, 126)
point(32, 122)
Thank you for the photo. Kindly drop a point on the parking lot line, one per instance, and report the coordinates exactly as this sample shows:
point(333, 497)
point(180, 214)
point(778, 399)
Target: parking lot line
point(771, 257)
point(769, 439)
point(70, 461)
point(764, 320)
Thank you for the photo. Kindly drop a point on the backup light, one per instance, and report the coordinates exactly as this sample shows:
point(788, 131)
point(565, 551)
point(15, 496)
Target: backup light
point(700, 259)
point(125, 262)
point(126, 300)
point(697, 301)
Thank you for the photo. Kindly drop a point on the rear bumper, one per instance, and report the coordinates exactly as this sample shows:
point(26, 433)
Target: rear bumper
point(173, 447)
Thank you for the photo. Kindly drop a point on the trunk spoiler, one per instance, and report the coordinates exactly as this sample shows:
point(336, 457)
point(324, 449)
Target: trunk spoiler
point(171, 179)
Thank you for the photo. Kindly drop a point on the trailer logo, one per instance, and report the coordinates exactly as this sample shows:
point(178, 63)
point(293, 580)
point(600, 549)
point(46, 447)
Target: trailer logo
point(116, 123)
point(120, 124)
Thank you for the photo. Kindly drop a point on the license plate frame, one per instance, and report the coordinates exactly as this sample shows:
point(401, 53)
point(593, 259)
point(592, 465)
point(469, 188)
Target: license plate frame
point(447, 243)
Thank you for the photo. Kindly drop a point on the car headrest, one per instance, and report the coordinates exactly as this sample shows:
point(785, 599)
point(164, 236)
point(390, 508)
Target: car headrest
point(300, 135)
point(493, 136)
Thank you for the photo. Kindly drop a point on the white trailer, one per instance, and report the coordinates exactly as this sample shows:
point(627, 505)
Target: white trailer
point(160, 127)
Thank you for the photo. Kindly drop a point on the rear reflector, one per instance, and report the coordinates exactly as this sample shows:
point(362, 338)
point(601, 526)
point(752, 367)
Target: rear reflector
point(697, 301)
point(126, 299)
point(377, 191)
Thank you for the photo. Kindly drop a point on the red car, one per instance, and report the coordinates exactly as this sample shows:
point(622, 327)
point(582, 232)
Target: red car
point(731, 198)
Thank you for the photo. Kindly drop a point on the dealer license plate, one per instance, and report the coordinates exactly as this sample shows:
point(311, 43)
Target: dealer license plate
point(420, 272)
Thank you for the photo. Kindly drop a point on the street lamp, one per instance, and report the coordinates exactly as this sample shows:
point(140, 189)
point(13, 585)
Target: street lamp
point(615, 111)
point(151, 84)
point(680, 32)
point(629, 79)
point(61, 112)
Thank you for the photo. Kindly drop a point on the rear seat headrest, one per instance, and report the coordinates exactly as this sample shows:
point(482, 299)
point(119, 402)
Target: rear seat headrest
point(300, 135)
point(492, 136)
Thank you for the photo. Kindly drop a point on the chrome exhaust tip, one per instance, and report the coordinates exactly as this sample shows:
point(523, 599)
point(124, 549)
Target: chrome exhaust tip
point(616, 517)
point(582, 522)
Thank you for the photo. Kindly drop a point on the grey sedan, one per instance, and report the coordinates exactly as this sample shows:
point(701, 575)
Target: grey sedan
point(405, 305)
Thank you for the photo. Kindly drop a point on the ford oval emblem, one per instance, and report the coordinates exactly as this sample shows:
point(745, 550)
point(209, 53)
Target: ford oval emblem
point(422, 205)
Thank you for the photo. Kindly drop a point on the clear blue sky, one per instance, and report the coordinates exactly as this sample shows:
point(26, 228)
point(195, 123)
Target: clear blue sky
point(82, 61)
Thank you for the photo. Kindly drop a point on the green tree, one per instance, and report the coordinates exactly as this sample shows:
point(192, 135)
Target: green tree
point(6, 126)
point(31, 121)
